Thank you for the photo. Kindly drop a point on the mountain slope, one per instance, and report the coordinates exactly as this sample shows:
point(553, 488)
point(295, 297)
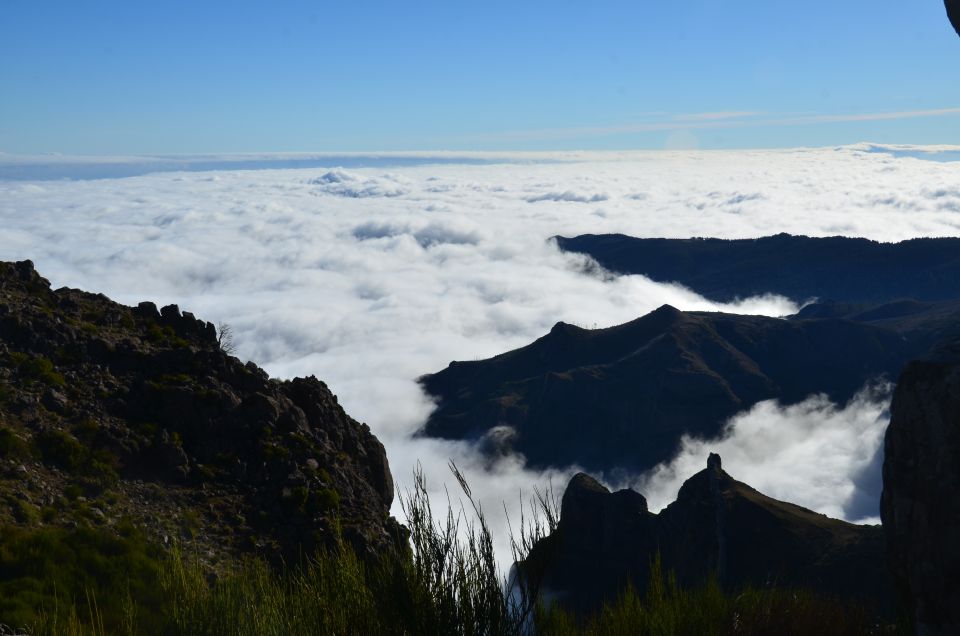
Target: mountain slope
point(622, 397)
point(113, 414)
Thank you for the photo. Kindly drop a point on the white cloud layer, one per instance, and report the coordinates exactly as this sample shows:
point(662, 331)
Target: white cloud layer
point(815, 454)
point(368, 278)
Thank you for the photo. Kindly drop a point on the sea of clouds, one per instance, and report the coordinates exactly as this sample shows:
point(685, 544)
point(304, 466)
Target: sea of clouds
point(370, 274)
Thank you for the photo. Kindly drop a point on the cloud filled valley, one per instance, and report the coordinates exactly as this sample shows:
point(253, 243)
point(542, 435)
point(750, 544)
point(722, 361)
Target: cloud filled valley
point(369, 277)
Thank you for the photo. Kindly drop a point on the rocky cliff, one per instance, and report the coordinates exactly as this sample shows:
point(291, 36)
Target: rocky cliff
point(717, 527)
point(921, 479)
point(111, 413)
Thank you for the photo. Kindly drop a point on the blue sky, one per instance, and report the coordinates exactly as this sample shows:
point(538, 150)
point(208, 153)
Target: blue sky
point(110, 77)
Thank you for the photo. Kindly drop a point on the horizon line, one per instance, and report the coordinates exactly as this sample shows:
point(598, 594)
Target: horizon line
point(49, 158)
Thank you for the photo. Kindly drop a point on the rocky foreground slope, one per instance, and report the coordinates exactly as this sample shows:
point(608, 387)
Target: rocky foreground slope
point(717, 527)
point(113, 414)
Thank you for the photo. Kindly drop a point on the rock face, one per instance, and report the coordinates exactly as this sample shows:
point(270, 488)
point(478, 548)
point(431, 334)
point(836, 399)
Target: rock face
point(953, 12)
point(622, 397)
point(717, 527)
point(921, 479)
point(139, 414)
point(798, 267)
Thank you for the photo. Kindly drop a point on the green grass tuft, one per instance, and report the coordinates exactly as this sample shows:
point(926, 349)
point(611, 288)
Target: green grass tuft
point(49, 579)
point(668, 610)
point(36, 369)
point(12, 446)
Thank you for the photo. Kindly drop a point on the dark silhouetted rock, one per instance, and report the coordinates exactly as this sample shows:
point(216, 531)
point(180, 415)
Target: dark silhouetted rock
point(953, 12)
point(798, 267)
point(921, 478)
point(717, 528)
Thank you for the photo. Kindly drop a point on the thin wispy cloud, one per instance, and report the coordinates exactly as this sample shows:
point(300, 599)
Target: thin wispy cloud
point(722, 115)
point(888, 116)
point(705, 121)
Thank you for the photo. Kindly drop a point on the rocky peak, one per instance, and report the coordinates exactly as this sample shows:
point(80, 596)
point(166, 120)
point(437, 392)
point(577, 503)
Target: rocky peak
point(667, 313)
point(562, 328)
point(581, 490)
point(587, 505)
point(714, 462)
point(706, 485)
point(27, 273)
point(717, 527)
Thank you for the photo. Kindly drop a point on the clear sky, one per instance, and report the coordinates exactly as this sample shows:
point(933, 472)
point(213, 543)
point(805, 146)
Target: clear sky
point(205, 76)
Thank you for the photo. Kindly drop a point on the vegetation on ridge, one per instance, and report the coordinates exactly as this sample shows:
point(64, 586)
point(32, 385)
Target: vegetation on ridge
point(668, 609)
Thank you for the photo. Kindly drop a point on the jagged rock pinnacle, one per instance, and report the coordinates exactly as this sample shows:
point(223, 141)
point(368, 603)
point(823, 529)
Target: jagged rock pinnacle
point(714, 461)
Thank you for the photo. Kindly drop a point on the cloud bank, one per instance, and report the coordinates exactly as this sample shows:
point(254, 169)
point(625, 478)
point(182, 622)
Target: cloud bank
point(369, 278)
point(815, 454)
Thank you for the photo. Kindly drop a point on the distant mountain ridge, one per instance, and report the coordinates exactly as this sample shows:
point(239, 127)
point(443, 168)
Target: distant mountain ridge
point(798, 267)
point(622, 397)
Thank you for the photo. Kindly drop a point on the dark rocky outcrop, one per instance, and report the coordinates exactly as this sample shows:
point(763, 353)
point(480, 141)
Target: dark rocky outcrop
point(921, 479)
point(138, 414)
point(953, 12)
point(798, 267)
point(717, 527)
point(622, 397)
